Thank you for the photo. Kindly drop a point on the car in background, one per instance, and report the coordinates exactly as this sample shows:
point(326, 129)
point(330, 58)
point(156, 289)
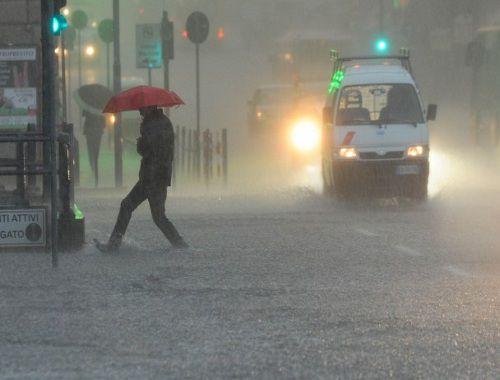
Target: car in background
point(288, 118)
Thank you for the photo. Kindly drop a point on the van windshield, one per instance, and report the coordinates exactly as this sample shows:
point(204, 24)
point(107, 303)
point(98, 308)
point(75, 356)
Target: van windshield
point(379, 103)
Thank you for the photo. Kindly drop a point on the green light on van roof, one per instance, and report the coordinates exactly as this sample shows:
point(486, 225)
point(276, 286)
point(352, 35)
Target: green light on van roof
point(336, 82)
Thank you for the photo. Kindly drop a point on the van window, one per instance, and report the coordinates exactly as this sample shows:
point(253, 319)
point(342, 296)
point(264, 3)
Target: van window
point(379, 103)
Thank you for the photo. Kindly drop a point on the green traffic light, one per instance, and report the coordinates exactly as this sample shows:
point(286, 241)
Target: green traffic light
point(382, 45)
point(58, 24)
point(56, 27)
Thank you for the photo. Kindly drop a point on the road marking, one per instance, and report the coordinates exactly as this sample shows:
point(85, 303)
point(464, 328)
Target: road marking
point(459, 271)
point(362, 231)
point(408, 251)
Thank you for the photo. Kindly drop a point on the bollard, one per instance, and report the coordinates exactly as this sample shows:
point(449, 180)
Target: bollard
point(183, 150)
point(197, 155)
point(206, 162)
point(210, 155)
point(218, 154)
point(190, 153)
point(224, 155)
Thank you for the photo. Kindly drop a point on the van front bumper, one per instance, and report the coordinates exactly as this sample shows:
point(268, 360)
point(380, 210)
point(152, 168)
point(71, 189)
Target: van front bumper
point(392, 176)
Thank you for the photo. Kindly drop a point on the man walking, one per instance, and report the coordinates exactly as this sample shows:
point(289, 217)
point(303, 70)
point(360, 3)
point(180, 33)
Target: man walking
point(93, 128)
point(156, 146)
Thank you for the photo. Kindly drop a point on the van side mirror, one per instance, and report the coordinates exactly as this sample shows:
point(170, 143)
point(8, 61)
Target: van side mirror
point(432, 112)
point(328, 115)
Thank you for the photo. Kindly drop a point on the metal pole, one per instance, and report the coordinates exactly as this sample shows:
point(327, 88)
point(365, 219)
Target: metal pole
point(166, 61)
point(190, 152)
point(79, 58)
point(381, 16)
point(205, 157)
point(79, 72)
point(224, 155)
point(63, 80)
point(150, 79)
point(117, 87)
point(183, 150)
point(70, 116)
point(108, 69)
point(49, 117)
point(198, 130)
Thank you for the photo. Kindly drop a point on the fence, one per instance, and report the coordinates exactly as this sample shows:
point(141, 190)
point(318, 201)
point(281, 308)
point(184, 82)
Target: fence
point(202, 157)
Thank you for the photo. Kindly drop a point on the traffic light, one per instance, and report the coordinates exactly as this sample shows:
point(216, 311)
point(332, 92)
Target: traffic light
point(58, 22)
point(382, 45)
point(221, 33)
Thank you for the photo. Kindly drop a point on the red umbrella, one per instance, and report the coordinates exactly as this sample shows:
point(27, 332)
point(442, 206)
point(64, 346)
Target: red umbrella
point(140, 97)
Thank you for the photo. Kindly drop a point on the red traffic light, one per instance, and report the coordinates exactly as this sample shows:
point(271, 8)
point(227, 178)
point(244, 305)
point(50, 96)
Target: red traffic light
point(221, 33)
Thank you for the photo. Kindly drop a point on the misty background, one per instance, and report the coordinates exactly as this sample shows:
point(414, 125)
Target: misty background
point(437, 32)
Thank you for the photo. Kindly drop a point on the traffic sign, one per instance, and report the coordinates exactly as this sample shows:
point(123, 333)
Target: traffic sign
point(79, 19)
point(106, 31)
point(197, 26)
point(23, 228)
point(148, 46)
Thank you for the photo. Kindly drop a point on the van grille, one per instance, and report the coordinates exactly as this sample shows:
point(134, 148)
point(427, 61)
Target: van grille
point(387, 156)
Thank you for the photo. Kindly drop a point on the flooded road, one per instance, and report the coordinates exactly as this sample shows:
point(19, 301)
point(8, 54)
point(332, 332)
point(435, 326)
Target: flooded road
point(286, 284)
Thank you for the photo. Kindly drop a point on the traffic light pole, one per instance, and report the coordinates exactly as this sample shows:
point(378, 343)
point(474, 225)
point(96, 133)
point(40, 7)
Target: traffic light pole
point(381, 25)
point(166, 58)
point(108, 70)
point(117, 87)
point(49, 119)
point(63, 79)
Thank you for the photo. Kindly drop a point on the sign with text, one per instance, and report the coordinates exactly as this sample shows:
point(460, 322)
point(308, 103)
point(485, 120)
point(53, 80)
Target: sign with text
point(148, 46)
point(18, 87)
point(23, 228)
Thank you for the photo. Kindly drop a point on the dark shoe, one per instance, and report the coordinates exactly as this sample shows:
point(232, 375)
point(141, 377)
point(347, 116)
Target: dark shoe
point(181, 244)
point(110, 247)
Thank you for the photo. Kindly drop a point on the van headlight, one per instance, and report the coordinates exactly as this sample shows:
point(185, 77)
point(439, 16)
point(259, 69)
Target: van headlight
point(305, 135)
point(348, 153)
point(417, 151)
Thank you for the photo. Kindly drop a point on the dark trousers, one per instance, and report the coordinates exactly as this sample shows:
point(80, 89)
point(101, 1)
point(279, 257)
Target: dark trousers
point(93, 147)
point(156, 195)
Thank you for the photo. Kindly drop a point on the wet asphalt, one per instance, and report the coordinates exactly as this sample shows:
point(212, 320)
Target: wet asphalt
point(286, 284)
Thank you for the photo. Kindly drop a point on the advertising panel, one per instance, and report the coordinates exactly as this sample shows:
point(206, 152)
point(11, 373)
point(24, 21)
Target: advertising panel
point(18, 87)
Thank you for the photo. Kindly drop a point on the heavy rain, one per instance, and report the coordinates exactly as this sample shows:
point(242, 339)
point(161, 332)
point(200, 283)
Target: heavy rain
point(257, 189)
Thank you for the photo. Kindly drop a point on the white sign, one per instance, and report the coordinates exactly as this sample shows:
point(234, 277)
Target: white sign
point(18, 54)
point(23, 228)
point(148, 46)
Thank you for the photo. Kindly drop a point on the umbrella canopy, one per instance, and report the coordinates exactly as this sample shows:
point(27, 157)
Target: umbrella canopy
point(140, 97)
point(92, 97)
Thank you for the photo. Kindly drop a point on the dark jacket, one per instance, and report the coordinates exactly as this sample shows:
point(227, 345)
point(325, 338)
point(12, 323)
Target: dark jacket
point(156, 146)
point(94, 124)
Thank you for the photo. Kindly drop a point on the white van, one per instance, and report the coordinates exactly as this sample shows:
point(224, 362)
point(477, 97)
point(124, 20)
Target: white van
point(375, 133)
